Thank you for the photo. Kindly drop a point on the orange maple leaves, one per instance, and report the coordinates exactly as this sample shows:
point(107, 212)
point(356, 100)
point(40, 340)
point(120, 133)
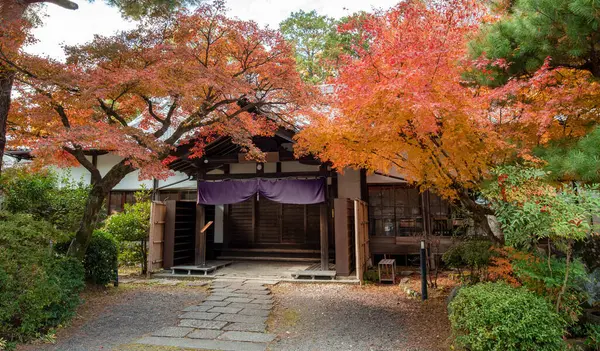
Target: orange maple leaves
point(403, 103)
point(140, 93)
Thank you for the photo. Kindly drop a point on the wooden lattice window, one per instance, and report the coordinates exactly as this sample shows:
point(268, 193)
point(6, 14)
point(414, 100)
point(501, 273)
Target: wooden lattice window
point(395, 210)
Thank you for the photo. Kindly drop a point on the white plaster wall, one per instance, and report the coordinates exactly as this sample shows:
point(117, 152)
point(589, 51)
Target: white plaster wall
point(270, 167)
point(130, 182)
point(295, 166)
point(239, 168)
point(175, 178)
point(219, 211)
point(349, 184)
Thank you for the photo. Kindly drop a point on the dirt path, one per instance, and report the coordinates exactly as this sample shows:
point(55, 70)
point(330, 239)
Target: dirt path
point(118, 316)
point(341, 317)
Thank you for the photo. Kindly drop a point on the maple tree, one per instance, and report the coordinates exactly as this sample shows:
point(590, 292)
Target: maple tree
point(401, 103)
point(141, 93)
point(18, 17)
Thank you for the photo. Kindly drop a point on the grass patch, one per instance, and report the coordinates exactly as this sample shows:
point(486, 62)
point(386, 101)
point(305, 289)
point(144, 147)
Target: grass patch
point(290, 317)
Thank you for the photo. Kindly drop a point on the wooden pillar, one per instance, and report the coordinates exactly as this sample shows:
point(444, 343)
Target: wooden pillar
point(200, 259)
point(324, 238)
point(342, 239)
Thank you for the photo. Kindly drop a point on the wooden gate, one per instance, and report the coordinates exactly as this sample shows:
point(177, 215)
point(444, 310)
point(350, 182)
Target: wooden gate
point(361, 231)
point(158, 214)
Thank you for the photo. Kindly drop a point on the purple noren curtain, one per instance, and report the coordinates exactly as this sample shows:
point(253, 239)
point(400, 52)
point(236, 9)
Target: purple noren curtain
point(288, 191)
point(226, 192)
point(293, 191)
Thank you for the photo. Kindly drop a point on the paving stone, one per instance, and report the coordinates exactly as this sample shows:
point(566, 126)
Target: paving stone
point(254, 286)
point(207, 316)
point(221, 345)
point(197, 308)
point(238, 318)
point(204, 334)
point(251, 327)
point(264, 291)
point(173, 332)
point(247, 336)
point(230, 294)
point(254, 312)
point(216, 298)
point(237, 299)
point(215, 303)
point(197, 323)
point(247, 305)
point(225, 310)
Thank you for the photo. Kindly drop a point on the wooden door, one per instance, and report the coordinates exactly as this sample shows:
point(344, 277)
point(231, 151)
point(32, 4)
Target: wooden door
point(268, 222)
point(361, 230)
point(158, 213)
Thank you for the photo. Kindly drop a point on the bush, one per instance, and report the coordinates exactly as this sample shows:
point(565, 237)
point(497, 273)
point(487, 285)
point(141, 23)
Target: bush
point(100, 260)
point(44, 196)
point(473, 255)
point(38, 288)
point(496, 316)
point(131, 228)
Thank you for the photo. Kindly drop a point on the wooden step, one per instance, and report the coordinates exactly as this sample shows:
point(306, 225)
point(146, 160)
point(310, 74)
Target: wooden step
point(274, 250)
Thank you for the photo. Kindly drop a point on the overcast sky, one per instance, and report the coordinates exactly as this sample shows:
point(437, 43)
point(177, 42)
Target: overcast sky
point(72, 27)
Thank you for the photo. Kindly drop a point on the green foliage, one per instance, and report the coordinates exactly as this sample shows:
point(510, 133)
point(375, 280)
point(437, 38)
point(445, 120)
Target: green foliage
point(38, 289)
point(496, 316)
point(133, 223)
point(579, 162)
point(532, 30)
point(318, 43)
point(593, 336)
point(530, 209)
point(137, 9)
point(546, 277)
point(45, 196)
point(131, 228)
point(100, 260)
point(474, 255)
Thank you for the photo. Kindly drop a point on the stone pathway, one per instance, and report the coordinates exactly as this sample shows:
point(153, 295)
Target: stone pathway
point(232, 318)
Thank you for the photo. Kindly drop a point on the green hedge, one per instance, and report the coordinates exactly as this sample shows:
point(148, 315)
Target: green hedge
point(38, 288)
point(101, 258)
point(496, 316)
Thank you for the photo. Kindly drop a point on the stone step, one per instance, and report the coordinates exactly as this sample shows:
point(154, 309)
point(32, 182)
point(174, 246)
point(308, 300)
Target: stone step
point(203, 344)
point(247, 336)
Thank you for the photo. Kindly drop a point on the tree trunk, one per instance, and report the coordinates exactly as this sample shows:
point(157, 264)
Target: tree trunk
point(480, 215)
point(96, 198)
point(6, 82)
point(11, 12)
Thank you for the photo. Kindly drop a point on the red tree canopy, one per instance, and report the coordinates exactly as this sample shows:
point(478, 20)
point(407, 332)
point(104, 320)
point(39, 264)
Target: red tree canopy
point(403, 103)
point(139, 93)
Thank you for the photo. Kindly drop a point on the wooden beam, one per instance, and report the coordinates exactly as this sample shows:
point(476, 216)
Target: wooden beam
point(324, 238)
point(266, 175)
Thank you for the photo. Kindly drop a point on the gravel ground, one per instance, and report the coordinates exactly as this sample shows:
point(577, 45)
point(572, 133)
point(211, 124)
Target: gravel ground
point(119, 316)
point(341, 317)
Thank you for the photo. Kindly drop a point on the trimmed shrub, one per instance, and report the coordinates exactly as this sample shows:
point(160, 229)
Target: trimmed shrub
point(496, 316)
point(101, 257)
point(38, 288)
point(473, 255)
point(131, 228)
point(44, 196)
